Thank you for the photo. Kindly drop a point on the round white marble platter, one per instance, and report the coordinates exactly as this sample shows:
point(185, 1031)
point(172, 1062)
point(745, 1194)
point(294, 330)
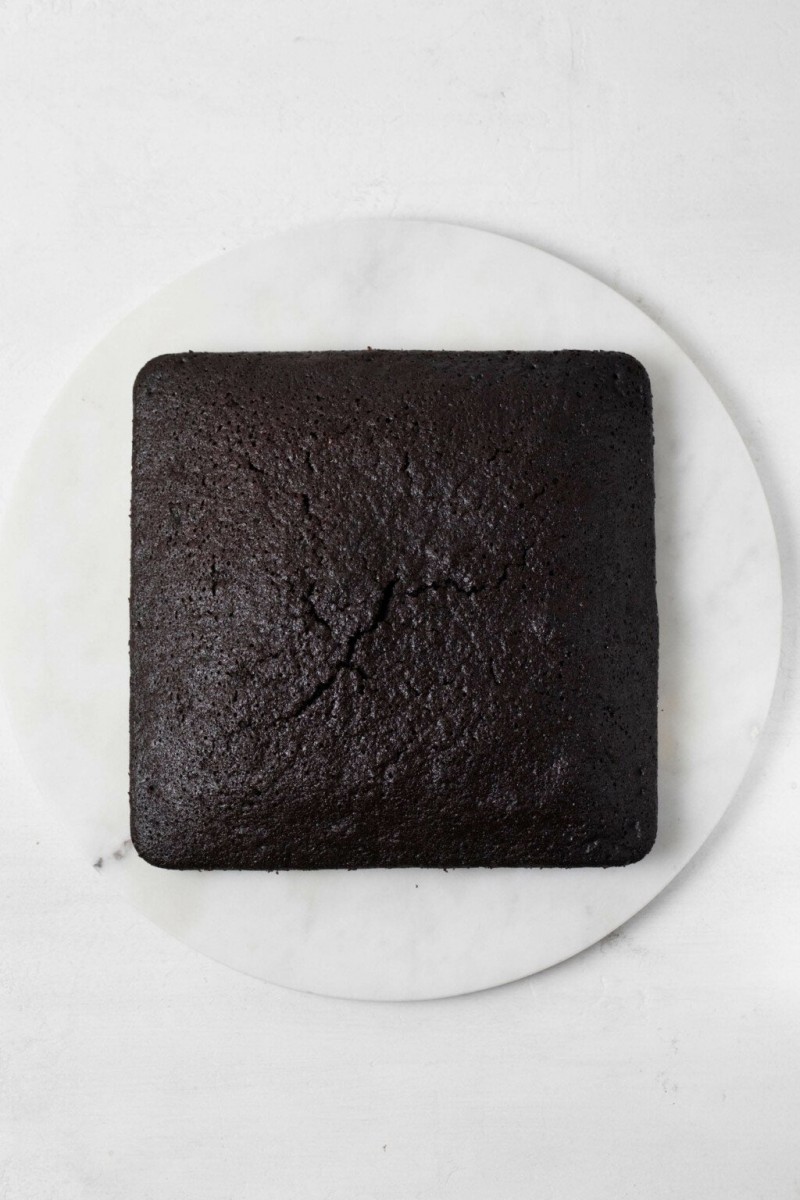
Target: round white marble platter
point(406, 934)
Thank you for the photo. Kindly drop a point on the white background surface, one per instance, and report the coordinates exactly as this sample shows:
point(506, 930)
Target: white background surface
point(654, 144)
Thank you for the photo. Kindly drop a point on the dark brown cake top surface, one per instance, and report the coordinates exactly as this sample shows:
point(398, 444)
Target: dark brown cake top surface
point(393, 608)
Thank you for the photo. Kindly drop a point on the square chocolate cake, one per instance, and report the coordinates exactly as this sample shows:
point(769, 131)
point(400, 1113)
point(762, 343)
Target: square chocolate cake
point(393, 608)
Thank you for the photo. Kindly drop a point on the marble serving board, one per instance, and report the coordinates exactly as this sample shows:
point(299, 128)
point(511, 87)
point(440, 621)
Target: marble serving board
point(64, 621)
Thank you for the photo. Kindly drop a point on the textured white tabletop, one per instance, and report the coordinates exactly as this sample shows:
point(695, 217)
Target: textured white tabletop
point(652, 144)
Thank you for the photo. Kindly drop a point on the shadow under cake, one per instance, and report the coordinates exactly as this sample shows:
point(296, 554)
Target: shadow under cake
point(393, 608)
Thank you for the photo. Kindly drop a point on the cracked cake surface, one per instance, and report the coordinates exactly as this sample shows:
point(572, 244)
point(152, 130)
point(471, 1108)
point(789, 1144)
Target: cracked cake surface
point(393, 608)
